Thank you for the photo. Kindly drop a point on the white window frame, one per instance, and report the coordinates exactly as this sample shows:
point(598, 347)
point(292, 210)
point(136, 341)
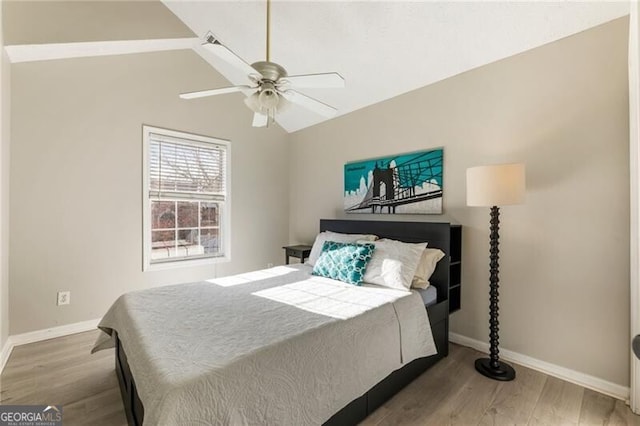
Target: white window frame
point(225, 213)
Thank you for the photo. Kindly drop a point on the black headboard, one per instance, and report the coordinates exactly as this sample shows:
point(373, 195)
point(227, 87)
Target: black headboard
point(437, 234)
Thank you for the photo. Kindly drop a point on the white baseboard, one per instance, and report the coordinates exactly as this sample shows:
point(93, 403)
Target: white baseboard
point(572, 376)
point(46, 334)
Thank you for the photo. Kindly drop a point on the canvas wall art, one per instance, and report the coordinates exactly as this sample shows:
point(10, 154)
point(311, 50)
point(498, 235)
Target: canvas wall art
point(398, 184)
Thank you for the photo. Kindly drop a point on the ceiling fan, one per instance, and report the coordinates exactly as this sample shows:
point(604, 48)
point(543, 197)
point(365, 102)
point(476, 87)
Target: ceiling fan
point(271, 89)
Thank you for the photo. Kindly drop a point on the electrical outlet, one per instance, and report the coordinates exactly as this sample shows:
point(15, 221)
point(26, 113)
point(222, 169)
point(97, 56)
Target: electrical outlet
point(269, 265)
point(64, 297)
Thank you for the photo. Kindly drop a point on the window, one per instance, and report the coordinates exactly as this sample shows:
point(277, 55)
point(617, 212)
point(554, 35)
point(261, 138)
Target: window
point(186, 200)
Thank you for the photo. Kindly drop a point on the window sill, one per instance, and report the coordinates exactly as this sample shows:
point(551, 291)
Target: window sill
point(163, 266)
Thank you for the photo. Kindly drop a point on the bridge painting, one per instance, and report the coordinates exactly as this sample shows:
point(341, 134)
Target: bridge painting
point(406, 183)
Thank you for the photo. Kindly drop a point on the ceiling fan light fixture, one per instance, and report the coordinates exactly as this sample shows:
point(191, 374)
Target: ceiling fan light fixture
point(268, 96)
point(266, 100)
point(253, 102)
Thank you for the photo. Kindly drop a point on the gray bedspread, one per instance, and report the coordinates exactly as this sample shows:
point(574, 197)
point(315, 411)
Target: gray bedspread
point(271, 347)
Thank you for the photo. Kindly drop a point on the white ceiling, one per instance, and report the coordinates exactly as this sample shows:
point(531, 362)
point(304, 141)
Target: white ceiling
point(383, 49)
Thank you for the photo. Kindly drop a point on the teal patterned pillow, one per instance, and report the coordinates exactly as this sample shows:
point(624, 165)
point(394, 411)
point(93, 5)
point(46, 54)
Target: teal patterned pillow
point(344, 262)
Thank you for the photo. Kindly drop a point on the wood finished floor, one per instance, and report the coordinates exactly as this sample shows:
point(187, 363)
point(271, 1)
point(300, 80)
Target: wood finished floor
point(62, 371)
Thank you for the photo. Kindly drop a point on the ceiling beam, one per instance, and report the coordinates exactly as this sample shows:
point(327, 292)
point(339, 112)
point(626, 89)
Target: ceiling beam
point(45, 52)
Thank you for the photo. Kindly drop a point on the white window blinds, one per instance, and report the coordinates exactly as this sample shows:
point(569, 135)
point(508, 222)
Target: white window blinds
point(186, 169)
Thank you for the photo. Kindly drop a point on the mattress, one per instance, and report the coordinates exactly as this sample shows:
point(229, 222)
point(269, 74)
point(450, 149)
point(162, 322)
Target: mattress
point(429, 295)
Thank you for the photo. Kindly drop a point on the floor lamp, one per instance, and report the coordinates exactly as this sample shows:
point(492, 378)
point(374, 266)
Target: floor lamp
point(494, 186)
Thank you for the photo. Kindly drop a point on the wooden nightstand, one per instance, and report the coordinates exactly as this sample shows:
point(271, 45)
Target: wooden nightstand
point(300, 251)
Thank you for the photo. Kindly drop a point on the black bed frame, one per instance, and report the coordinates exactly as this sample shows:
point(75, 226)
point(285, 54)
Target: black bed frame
point(439, 236)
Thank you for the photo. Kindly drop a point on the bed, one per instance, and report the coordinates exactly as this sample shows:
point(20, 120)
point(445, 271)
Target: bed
point(361, 376)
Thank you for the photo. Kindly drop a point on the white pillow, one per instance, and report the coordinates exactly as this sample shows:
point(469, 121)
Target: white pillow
point(316, 250)
point(428, 261)
point(394, 263)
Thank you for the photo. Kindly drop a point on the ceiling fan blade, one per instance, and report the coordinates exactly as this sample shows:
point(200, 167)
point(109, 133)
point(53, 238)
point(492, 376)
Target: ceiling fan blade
point(309, 103)
point(224, 53)
point(324, 80)
point(213, 92)
point(260, 120)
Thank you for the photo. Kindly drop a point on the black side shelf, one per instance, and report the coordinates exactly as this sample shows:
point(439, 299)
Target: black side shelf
point(455, 269)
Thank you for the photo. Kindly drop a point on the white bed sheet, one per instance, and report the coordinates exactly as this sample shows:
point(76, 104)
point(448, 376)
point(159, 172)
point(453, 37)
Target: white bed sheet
point(429, 295)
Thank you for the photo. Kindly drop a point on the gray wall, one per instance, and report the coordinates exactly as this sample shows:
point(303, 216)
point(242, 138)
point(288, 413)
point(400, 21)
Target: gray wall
point(563, 110)
point(76, 182)
point(5, 90)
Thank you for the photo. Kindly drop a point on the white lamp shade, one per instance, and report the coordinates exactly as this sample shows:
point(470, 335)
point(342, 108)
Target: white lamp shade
point(497, 185)
point(253, 103)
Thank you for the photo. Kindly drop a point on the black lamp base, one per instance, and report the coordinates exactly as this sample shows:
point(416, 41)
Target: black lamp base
point(504, 372)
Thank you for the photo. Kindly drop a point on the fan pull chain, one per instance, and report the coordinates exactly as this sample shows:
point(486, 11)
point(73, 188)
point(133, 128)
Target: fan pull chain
point(271, 116)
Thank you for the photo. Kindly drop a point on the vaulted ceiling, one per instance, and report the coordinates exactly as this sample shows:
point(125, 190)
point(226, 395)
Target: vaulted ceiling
point(381, 48)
